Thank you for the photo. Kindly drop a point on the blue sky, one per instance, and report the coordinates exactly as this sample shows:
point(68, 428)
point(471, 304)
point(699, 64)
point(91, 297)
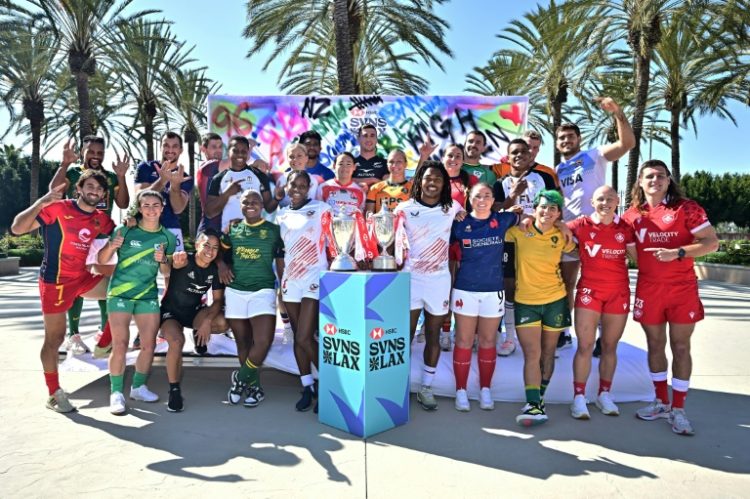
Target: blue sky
point(216, 33)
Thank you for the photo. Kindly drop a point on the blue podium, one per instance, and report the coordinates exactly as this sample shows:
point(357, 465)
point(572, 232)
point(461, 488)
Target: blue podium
point(364, 351)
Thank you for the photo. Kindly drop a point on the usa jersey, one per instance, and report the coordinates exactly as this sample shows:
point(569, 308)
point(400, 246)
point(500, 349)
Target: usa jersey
point(428, 230)
point(478, 247)
point(602, 251)
point(579, 177)
point(535, 184)
point(342, 197)
point(67, 232)
point(221, 182)
point(667, 227)
point(304, 241)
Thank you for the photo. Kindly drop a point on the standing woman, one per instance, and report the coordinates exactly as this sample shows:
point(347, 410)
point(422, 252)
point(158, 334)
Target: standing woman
point(670, 231)
point(302, 230)
point(250, 297)
point(133, 294)
point(478, 300)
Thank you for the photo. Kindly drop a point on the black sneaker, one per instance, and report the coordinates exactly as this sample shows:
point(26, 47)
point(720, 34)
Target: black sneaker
point(234, 396)
point(199, 349)
point(564, 341)
point(532, 414)
point(175, 400)
point(598, 348)
point(254, 397)
point(305, 402)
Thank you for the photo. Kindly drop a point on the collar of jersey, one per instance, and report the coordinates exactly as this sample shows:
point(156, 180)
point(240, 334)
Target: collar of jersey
point(259, 222)
point(595, 218)
point(397, 183)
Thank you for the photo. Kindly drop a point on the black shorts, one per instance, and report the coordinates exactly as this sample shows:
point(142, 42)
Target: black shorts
point(509, 260)
point(185, 316)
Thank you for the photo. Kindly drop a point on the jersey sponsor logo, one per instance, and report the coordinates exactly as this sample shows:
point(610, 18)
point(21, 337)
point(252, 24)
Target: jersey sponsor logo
point(619, 237)
point(68, 217)
point(135, 244)
point(414, 214)
point(571, 181)
point(592, 235)
point(191, 274)
point(466, 243)
point(330, 329)
point(641, 235)
point(376, 333)
point(592, 249)
point(467, 228)
point(84, 235)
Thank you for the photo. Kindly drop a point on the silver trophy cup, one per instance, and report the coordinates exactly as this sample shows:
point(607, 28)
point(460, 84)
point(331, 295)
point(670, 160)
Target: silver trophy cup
point(383, 225)
point(343, 227)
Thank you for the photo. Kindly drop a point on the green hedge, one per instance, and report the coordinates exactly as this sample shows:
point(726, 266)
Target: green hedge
point(30, 257)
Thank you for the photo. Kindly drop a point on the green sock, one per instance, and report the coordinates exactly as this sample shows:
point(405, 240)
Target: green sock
point(115, 382)
point(103, 313)
point(249, 373)
point(139, 379)
point(543, 388)
point(532, 394)
point(74, 316)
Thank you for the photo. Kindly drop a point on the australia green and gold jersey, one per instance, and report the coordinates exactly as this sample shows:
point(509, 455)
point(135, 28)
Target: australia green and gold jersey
point(254, 247)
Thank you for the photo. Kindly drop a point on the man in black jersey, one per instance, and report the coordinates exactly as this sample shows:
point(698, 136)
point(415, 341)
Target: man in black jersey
point(191, 278)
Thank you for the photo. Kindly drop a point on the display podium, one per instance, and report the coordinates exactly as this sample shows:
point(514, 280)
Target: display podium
point(364, 351)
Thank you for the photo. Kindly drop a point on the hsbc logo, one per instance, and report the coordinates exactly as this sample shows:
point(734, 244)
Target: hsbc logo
point(376, 333)
point(330, 329)
point(593, 249)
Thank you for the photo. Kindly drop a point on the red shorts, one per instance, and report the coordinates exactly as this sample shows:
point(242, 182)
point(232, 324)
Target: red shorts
point(59, 297)
point(604, 301)
point(662, 302)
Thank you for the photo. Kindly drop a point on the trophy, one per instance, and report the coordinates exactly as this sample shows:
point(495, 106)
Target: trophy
point(384, 232)
point(343, 227)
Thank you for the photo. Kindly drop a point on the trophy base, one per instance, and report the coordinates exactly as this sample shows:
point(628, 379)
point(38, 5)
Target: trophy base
point(344, 263)
point(384, 263)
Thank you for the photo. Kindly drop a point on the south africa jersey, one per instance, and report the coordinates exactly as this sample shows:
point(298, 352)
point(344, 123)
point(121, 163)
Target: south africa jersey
point(254, 248)
point(579, 177)
point(74, 173)
point(535, 184)
point(146, 174)
point(389, 193)
point(339, 197)
point(135, 275)
point(304, 241)
point(602, 251)
point(222, 181)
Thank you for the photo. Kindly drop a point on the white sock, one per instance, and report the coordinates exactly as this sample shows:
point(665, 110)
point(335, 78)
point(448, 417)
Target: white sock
point(510, 321)
point(428, 374)
point(307, 380)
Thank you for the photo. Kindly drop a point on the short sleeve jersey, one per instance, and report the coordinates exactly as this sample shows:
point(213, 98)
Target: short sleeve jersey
point(312, 193)
point(106, 204)
point(67, 232)
point(222, 181)
point(478, 247)
point(135, 275)
point(602, 251)
point(321, 171)
point(375, 167)
point(146, 174)
point(538, 277)
point(342, 197)
point(548, 174)
point(535, 184)
point(304, 241)
point(188, 284)
point(428, 230)
point(666, 227)
point(480, 173)
point(206, 172)
point(254, 248)
point(579, 177)
point(389, 193)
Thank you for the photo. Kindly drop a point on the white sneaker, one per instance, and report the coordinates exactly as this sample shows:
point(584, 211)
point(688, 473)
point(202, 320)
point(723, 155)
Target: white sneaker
point(485, 399)
point(578, 408)
point(117, 403)
point(506, 348)
point(76, 346)
point(288, 334)
point(143, 394)
point(445, 341)
point(605, 404)
point(680, 423)
point(462, 401)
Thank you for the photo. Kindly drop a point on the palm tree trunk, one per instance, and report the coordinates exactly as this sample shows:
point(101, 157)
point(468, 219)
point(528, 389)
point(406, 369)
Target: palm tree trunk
point(36, 142)
point(191, 203)
point(642, 66)
point(148, 136)
point(344, 49)
point(615, 174)
point(556, 122)
point(674, 134)
point(84, 104)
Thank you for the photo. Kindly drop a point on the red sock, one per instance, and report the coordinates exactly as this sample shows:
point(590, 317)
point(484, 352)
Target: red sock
point(579, 388)
point(605, 385)
point(446, 326)
point(678, 399)
point(487, 360)
point(106, 338)
point(53, 382)
point(662, 391)
point(461, 366)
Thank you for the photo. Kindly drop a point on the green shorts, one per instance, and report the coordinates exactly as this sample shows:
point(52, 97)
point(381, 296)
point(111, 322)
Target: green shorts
point(133, 307)
point(553, 316)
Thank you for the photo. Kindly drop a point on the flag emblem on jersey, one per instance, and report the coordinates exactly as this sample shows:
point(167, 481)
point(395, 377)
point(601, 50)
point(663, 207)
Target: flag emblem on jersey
point(619, 237)
point(263, 233)
point(585, 299)
point(330, 329)
point(668, 218)
point(376, 333)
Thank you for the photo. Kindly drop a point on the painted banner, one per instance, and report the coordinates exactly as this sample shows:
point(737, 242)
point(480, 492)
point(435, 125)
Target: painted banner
point(402, 122)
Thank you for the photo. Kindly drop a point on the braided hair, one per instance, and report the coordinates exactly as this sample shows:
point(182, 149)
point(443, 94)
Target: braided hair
point(445, 200)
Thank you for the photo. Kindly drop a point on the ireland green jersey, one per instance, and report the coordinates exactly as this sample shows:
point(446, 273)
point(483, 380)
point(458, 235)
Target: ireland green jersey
point(135, 274)
point(106, 204)
point(254, 248)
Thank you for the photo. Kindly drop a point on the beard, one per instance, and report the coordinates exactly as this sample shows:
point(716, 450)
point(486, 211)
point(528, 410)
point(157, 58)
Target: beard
point(89, 201)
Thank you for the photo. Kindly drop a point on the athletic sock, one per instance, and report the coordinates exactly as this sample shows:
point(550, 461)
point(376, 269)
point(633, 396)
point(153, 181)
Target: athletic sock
point(307, 380)
point(510, 320)
point(52, 380)
point(679, 392)
point(139, 379)
point(461, 366)
point(249, 373)
point(605, 385)
point(284, 317)
point(579, 388)
point(543, 387)
point(487, 359)
point(106, 338)
point(74, 316)
point(428, 373)
point(103, 313)
point(174, 386)
point(660, 386)
point(115, 382)
point(533, 395)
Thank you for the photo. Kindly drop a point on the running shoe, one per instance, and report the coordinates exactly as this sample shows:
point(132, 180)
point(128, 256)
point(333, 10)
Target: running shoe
point(288, 336)
point(578, 408)
point(76, 346)
point(462, 401)
point(655, 410)
point(598, 348)
point(606, 405)
point(117, 403)
point(506, 348)
point(445, 341)
point(102, 352)
point(426, 398)
point(254, 397)
point(175, 400)
point(532, 414)
point(59, 402)
point(236, 390)
point(305, 402)
point(485, 399)
point(680, 424)
point(564, 341)
point(143, 394)
point(199, 349)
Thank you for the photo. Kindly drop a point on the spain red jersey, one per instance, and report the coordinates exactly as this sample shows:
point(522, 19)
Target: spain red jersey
point(602, 251)
point(67, 232)
point(666, 227)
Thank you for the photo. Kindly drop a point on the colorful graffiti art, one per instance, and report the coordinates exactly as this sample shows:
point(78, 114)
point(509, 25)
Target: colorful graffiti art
point(402, 122)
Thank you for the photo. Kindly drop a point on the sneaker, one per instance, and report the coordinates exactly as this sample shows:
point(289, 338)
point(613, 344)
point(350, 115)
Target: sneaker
point(531, 415)
point(254, 397)
point(445, 341)
point(305, 402)
point(485, 399)
point(59, 402)
point(236, 390)
point(143, 394)
point(288, 336)
point(506, 348)
point(426, 398)
point(680, 423)
point(598, 348)
point(199, 349)
point(102, 352)
point(175, 400)
point(605, 404)
point(564, 341)
point(76, 346)
point(117, 403)
point(462, 401)
point(578, 408)
point(655, 410)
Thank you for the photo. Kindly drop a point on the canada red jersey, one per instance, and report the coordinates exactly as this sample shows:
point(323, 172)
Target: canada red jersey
point(68, 232)
point(666, 227)
point(602, 251)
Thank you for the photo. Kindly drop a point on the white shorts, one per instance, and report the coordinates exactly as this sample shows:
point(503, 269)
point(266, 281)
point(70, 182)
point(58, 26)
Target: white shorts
point(179, 246)
point(571, 257)
point(431, 292)
point(294, 290)
point(478, 303)
point(246, 304)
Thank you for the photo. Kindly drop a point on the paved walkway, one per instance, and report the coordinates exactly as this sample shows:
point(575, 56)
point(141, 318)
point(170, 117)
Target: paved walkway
point(213, 449)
